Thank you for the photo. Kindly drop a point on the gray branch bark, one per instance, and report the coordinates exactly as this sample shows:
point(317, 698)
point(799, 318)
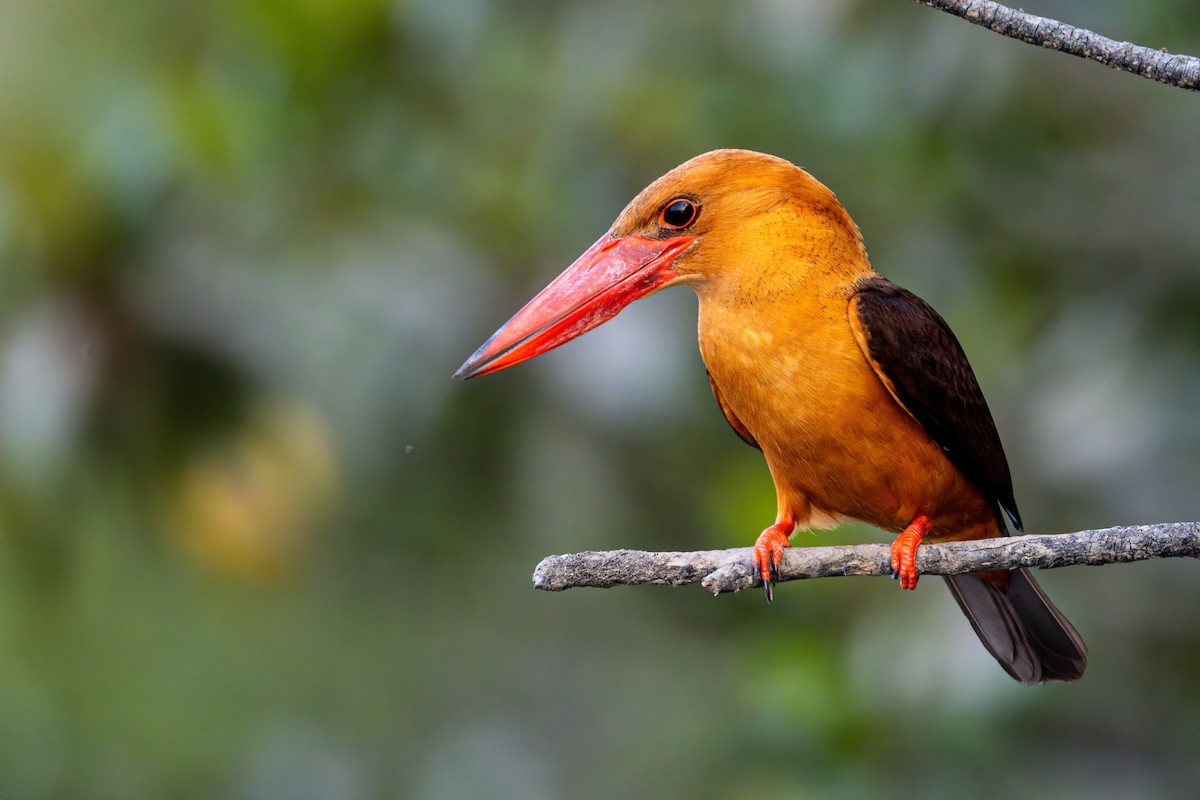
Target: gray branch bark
point(729, 570)
point(1176, 70)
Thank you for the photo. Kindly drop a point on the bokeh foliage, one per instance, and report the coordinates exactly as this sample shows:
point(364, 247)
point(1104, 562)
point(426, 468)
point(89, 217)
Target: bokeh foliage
point(255, 543)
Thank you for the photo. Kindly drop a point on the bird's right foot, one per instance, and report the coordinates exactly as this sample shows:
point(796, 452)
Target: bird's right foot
point(768, 551)
point(904, 551)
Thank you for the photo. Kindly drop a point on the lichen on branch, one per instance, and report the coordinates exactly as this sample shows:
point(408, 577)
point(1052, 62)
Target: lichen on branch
point(729, 570)
point(1158, 65)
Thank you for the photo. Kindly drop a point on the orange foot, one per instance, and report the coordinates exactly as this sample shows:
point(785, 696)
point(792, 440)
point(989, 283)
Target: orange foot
point(904, 551)
point(768, 551)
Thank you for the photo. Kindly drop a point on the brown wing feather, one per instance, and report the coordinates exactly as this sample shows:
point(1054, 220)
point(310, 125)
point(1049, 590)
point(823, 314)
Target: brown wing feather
point(730, 417)
point(921, 363)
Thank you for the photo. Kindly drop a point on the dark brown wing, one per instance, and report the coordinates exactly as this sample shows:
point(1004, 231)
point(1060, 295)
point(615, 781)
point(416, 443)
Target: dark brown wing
point(922, 364)
point(730, 417)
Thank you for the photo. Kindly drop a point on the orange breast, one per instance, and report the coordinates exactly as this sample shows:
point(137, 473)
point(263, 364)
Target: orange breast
point(836, 442)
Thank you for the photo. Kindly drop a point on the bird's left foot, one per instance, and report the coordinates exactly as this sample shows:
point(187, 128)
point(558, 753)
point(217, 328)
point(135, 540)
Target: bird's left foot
point(904, 551)
point(768, 551)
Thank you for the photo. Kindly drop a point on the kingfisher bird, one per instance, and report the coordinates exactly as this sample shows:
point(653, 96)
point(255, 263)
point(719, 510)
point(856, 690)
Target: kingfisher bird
point(856, 391)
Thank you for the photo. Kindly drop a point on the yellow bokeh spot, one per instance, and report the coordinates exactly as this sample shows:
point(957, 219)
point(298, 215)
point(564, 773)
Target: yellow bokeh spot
point(249, 505)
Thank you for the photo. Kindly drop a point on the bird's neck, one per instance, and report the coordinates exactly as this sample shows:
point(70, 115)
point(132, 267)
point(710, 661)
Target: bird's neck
point(787, 313)
point(791, 277)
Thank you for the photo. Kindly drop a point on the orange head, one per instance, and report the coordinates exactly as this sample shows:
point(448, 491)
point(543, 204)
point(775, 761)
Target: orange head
point(733, 224)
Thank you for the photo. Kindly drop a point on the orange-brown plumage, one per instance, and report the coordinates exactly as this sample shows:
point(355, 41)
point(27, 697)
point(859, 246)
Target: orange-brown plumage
point(855, 390)
point(778, 334)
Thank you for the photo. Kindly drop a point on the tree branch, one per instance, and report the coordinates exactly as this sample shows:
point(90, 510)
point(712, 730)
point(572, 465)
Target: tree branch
point(729, 570)
point(1177, 70)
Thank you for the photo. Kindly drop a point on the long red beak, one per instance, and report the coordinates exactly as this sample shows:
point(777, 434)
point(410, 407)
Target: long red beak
point(610, 275)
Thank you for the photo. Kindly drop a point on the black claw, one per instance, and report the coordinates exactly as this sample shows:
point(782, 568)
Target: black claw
point(895, 574)
point(767, 589)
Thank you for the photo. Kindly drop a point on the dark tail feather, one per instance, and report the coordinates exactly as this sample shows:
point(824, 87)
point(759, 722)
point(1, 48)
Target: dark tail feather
point(1021, 628)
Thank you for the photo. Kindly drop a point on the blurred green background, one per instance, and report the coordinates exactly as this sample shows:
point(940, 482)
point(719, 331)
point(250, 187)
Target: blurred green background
point(255, 543)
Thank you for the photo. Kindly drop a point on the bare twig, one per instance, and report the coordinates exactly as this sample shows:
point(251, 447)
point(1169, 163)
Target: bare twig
point(1177, 70)
point(729, 570)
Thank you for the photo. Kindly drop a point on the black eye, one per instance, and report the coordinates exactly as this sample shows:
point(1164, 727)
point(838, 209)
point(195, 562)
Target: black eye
point(678, 214)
